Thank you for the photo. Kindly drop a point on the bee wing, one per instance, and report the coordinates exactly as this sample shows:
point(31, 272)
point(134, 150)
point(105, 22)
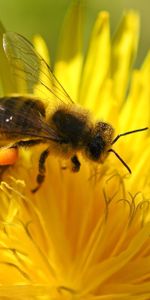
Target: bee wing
point(23, 123)
point(33, 74)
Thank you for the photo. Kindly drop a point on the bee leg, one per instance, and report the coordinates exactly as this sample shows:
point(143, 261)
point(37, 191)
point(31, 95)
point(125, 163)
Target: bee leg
point(75, 163)
point(41, 175)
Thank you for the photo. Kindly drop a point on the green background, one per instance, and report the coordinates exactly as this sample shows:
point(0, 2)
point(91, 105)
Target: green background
point(28, 17)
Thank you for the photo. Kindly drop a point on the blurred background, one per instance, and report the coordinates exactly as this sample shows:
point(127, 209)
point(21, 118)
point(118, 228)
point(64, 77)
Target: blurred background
point(45, 17)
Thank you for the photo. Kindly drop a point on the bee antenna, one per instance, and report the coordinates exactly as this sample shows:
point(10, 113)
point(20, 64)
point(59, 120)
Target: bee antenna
point(126, 133)
point(122, 161)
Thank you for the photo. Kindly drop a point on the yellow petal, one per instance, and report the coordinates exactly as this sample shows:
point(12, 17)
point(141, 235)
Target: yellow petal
point(41, 48)
point(97, 63)
point(69, 58)
point(44, 76)
point(99, 271)
point(124, 48)
point(138, 97)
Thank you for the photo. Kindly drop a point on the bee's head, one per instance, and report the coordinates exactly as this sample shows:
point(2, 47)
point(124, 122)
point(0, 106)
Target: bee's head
point(100, 140)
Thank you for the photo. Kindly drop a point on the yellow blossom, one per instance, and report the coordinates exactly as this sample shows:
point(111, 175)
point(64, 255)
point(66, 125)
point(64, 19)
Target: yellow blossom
point(84, 236)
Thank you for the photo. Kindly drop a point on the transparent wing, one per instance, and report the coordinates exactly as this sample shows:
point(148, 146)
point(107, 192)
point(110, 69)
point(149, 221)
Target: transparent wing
point(33, 75)
point(23, 120)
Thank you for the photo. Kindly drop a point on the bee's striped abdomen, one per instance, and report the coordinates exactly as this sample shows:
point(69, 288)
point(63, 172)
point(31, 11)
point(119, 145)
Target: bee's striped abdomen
point(20, 116)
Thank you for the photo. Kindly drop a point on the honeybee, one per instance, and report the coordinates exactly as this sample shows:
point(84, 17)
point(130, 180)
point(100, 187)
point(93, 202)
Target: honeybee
point(52, 119)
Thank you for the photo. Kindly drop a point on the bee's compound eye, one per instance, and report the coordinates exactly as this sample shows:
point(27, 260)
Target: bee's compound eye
point(103, 127)
point(8, 156)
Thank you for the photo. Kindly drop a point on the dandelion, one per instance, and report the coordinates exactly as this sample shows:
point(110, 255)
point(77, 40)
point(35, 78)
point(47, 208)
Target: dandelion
point(86, 235)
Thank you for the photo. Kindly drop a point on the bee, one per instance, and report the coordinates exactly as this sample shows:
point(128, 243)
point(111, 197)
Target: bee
point(53, 118)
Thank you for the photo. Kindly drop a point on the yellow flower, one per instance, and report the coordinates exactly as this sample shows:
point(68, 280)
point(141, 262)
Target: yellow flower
point(84, 236)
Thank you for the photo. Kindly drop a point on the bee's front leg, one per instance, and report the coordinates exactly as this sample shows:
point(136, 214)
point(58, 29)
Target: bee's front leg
point(75, 163)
